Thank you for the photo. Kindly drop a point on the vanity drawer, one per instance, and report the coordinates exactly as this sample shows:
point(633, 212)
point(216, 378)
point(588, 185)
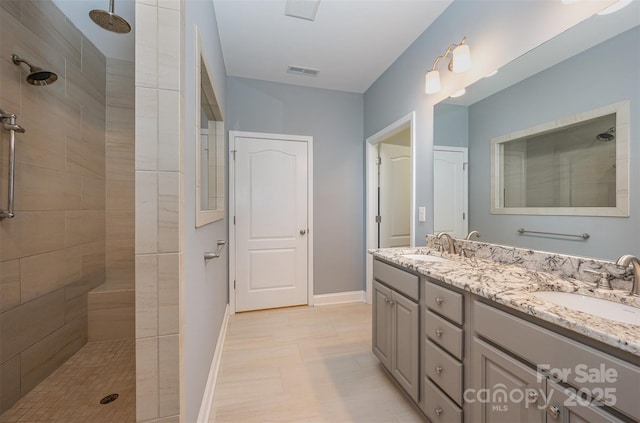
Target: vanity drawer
point(540, 346)
point(439, 408)
point(444, 302)
point(401, 281)
point(444, 370)
point(446, 334)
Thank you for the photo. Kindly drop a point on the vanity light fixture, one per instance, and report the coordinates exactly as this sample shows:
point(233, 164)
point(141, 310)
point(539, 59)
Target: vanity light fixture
point(459, 57)
point(458, 93)
point(615, 7)
point(489, 75)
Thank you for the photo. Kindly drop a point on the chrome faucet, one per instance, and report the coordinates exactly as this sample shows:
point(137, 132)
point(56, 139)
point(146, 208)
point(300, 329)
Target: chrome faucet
point(472, 233)
point(625, 261)
point(452, 246)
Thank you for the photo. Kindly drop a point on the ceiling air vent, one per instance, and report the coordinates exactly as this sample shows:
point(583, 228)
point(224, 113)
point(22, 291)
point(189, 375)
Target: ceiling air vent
point(299, 70)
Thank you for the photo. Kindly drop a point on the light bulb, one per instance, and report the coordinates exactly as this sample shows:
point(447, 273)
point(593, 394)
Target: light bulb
point(461, 58)
point(432, 82)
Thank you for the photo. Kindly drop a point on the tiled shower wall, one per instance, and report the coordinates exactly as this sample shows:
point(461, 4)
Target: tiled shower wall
point(159, 209)
point(111, 306)
point(53, 251)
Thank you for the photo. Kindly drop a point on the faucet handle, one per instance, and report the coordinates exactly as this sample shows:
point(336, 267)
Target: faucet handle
point(603, 282)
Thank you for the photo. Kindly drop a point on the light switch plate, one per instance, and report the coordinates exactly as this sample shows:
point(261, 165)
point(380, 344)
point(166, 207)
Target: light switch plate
point(422, 214)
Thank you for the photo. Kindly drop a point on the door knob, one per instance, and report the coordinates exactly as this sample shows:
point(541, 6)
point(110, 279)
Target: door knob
point(303, 231)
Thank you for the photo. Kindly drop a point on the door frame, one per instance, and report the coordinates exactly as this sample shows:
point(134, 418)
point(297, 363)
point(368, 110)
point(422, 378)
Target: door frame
point(232, 207)
point(371, 189)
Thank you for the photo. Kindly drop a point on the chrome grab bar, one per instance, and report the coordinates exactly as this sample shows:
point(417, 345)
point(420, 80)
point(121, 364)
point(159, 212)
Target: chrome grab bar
point(9, 123)
point(584, 236)
point(209, 255)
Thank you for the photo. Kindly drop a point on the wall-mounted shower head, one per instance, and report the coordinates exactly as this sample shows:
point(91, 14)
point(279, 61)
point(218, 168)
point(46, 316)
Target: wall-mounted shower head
point(607, 136)
point(37, 76)
point(109, 20)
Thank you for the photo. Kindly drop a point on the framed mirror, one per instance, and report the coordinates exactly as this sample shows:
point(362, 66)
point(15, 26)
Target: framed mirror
point(210, 138)
point(578, 165)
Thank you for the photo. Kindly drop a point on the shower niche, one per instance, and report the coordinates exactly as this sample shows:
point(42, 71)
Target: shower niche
point(573, 166)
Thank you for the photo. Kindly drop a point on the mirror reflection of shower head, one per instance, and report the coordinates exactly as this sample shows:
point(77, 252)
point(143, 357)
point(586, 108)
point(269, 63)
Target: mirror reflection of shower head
point(37, 76)
point(607, 136)
point(109, 20)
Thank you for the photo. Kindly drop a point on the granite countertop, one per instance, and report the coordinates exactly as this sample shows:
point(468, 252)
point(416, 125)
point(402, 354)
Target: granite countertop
point(512, 285)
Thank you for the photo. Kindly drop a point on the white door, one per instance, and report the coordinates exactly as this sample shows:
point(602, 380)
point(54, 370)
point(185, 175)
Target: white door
point(271, 223)
point(450, 191)
point(394, 195)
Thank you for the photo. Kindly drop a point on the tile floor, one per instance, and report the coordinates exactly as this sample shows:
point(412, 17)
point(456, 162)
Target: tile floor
point(73, 392)
point(305, 364)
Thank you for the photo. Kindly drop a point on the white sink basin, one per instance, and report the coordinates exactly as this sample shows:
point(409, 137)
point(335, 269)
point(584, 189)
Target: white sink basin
point(594, 306)
point(424, 257)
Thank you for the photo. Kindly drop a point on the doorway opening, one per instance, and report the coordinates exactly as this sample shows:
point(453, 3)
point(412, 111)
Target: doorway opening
point(391, 214)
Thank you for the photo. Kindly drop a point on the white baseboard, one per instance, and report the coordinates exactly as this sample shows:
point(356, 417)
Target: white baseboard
point(339, 298)
point(207, 397)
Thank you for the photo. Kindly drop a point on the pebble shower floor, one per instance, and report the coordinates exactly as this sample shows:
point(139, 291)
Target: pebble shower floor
point(73, 392)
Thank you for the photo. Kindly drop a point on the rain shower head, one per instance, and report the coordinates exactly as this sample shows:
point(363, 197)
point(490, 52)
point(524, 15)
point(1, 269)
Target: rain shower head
point(109, 20)
point(607, 136)
point(37, 75)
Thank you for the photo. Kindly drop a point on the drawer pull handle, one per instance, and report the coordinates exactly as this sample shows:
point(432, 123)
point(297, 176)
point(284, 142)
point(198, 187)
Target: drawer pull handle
point(532, 396)
point(439, 332)
point(553, 411)
point(438, 369)
point(438, 411)
point(439, 300)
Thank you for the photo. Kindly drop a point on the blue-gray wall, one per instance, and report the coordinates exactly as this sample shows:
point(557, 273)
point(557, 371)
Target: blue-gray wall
point(205, 286)
point(497, 32)
point(334, 119)
point(451, 125)
point(603, 75)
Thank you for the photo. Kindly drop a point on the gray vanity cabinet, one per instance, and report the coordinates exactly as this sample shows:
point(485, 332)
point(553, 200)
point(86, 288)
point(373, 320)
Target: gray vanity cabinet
point(443, 352)
point(396, 324)
point(506, 390)
point(566, 407)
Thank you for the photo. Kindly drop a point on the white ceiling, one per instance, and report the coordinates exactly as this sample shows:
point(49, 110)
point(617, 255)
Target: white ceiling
point(119, 46)
point(351, 42)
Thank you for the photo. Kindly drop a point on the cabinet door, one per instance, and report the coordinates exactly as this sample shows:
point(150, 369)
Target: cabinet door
point(504, 389)
point(405, 343)
point(382, 321)
point(565, 406)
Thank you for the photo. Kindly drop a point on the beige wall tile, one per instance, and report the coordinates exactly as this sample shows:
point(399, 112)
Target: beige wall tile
point(85, 157)
point(41, 189)
point(120, 261)
point(30, 233)
point(10, 81)
point(146, 379)
point(168, 294)
point(93, 193)
point(76, 309)
point(9, 382)
point(146, 295)
point(93, 258)
point(28, 323)
point(120, 224)
point(120, 83)
point(169, 375)
point(9, 284)
point(84, 226)
point(46, 21)
point(43, 273)
point(111, 299)
point(110, 324)
point(120, 193)
point(168, 212)
point(169, 132)
point(42, 147)
point(94, 67)
point(146, 46)
point(44, 357)
point(146, 212)
point(169, 23)
point(146, 145)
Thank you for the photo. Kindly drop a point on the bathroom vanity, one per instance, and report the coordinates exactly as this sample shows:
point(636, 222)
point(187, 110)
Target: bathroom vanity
point(468, 340)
